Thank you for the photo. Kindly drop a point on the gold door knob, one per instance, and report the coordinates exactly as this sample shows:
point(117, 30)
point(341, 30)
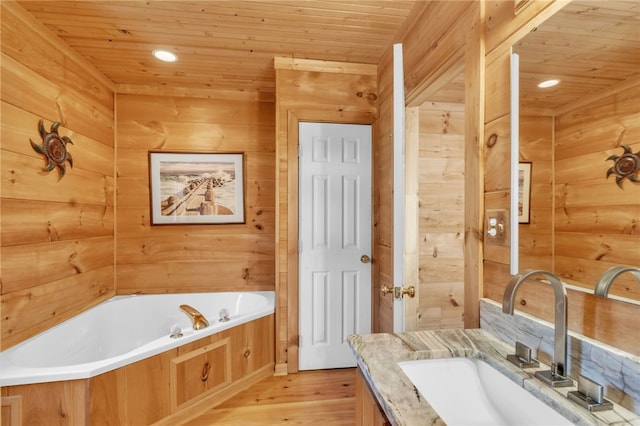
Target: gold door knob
point(386, 290)
point(409, 291)
point(365, 259)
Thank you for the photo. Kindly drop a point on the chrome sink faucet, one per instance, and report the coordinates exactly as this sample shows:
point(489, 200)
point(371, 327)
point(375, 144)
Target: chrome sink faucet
point(556, 376)
point(610, 275)
point(197, 319)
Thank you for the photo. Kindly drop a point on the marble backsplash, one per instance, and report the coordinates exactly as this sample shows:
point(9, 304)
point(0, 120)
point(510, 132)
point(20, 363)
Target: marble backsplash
point(617, 371)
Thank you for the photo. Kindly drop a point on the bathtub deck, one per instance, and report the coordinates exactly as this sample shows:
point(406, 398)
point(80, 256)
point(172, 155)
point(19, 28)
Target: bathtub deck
point(310, 397)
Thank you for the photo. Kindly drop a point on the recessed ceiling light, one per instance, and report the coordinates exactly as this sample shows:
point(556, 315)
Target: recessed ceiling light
point(165, 55)
point(548, 83)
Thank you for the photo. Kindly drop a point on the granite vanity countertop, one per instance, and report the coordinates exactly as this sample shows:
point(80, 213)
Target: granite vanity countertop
point(378, 356)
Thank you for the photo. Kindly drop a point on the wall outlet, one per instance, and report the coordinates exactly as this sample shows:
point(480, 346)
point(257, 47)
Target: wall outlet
point(496, 227)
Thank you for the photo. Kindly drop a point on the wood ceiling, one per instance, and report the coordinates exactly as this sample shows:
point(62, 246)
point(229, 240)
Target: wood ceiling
point(221, 44)
point(590, 46)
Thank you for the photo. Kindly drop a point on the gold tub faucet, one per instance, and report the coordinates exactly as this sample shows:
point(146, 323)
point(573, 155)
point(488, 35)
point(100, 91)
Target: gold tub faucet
point(198, 320)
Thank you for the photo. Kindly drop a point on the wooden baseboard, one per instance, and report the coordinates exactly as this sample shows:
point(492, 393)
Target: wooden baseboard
point(194, 409)
point(281, 370)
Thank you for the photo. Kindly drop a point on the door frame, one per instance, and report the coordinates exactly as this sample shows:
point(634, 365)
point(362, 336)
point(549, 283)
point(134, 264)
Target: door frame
point(293, 119)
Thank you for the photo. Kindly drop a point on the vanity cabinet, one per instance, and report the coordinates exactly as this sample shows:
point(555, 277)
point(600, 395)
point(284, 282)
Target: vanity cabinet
point(368, 411)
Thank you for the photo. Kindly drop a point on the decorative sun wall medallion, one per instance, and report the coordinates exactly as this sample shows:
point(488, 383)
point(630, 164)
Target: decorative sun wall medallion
point(54, 148)
point(626, 166)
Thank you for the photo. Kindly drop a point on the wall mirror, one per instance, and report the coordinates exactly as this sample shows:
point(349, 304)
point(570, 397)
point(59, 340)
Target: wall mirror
point(581, 222)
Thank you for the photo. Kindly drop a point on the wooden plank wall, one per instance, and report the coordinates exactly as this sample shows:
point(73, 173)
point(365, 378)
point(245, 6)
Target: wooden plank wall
point(441, 216)
point(383, 199)
point(536, 238)
point(193, 258)
point(596, 221)
point(307, 91)
point(435, 39)
point(57, 234)
point(609, 321)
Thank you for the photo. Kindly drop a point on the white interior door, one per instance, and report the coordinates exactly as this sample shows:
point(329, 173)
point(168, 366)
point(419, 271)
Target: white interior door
point(335, 241)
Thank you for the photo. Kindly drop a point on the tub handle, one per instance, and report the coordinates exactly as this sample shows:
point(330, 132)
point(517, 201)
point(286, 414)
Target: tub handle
point(205, 372)
point(247, 353)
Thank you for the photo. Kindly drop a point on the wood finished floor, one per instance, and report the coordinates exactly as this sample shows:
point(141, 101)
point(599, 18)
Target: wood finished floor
point(324, 397)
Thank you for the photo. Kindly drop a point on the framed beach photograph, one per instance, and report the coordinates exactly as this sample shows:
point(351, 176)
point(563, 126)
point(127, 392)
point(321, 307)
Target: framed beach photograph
point(196, 188)
point(524, 192)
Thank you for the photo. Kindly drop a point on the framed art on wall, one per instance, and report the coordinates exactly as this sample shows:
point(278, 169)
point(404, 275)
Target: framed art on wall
point(196, 188)
point(524, 192)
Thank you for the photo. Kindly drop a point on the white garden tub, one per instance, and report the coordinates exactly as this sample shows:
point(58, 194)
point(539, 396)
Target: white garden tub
point(123, 330)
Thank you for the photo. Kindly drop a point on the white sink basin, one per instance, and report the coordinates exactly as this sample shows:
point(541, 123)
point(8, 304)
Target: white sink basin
point(468, 391)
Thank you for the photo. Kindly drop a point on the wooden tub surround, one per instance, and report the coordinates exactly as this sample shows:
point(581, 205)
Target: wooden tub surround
point(179, 382)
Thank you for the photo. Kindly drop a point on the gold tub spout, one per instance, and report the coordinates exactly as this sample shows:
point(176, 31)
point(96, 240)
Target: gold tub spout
point(198, 320)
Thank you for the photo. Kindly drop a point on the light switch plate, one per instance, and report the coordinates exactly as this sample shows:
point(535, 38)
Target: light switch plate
point(496, 227)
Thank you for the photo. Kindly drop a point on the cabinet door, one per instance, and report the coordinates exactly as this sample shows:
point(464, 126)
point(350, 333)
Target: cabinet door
point(368, 412)
point(11, 410)
point(200, 371)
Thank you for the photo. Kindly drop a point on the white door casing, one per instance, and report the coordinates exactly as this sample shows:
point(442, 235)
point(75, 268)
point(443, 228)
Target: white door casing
point(398, 187)
point(335, 235)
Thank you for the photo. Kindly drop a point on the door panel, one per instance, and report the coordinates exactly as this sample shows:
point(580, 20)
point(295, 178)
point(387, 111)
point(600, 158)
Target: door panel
point(335, 232)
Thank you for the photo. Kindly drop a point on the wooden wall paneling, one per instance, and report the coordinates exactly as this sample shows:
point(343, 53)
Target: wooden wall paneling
point(56, 260)
point(430, 52)
point(586, 249)
point(190, 276)
point(573, 212)
point(441, 191)
point(411, 216)
point(39, 49)
point(206, 246)
point(619, 220)
point(20, 126)
point(35, 93)
point(57, 233)
point(474, 95)
point(503, 27)
point(293, 234)
point(134, 220)
point(204, 257)
point(383, 198)
point(497, 88)
point(307, 91)
point(22, 178)
point(600, 126)
point(496, 164)
point(30, 311)
point(35, 221)
point(536, 237)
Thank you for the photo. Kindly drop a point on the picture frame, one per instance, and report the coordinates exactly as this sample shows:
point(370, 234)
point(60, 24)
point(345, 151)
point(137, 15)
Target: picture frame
point(189, 188)
point(524, 192)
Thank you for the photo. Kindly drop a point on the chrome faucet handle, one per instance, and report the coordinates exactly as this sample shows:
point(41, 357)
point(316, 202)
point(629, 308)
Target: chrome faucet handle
point(522, 357)
point(590, 395)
